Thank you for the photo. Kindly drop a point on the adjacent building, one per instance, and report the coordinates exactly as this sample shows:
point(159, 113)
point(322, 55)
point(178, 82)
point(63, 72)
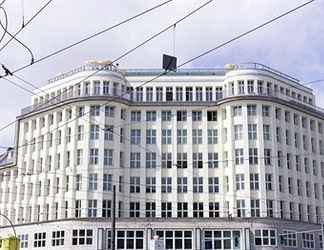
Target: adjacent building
point(227, 158)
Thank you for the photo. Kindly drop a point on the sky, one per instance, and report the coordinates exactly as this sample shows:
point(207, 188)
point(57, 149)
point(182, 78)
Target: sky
point(293, 44)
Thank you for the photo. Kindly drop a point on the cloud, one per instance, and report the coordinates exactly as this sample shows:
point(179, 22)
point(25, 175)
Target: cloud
point(292, 44)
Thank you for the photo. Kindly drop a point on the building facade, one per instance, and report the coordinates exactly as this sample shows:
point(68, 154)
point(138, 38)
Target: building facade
point(205, 158)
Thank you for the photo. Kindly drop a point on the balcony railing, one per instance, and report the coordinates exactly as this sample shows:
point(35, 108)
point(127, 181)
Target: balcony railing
point(131, 98)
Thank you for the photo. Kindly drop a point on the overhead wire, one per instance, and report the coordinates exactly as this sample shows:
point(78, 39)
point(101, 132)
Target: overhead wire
point(5, 28)
point(130, 51)
point(210, 50)
point(25, 24)
point(93, 35)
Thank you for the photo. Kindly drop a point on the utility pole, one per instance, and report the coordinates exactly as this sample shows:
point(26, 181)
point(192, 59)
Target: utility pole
point(113, 226)
point(322, 234)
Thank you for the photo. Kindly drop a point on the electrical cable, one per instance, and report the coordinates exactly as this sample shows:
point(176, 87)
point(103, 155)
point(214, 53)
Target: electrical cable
point(6, 25)
point(25, 24)
point(92, 36)
point(133, 49)
point(21, 43)
point(208, 51)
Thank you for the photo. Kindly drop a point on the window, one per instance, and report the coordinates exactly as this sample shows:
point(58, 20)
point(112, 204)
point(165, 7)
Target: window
point(106, 208)
point(267, 156)
point(176, 239)
point(136, 116)
point(240, 87)
point(199, 94)
point(181, 115)
point(150, 208)
point(166, 209)
point(135, 136)
point(212, 160)
point(149, 94)
point(255, 208)
point(221, 239)
point(251, 109)
point(181, 136)
point(150, 116)
point(198, 184)
point(107, 182)
point(213, 185)
point(212, 116)
point(250, 86)
point(134, 209)
point(240, 183)
point(189, 94)
point(159, 94)
point(169, 94)
point(23, 240)
point(266, 132)
point(166, 184)
point(182, 160)
point(288, 238)
point(130, 239)
point(209, 94)
point(94, 156)
point(198, 209)
point(239, 156)
point(151, 136)
point(240, 206)
point(78, 182)
point(238, 132)
point(268, 182)
point(135, 183)
point(252, 131)
point(58, 238)
point(197, 160)
point(308, 240)
point(212, 136)
point(150, 161)
point(265, 237)
point(109, 133)
point(253, 156)
point(182, 209)
point(95, 110)
point(197, 136)
point(82, 237)
point(93, 182)
point(80, 133)
point(150, 186)
point(254, 181)
point(135, 160)
point(166, 160)
point(40, 239)
point(182, 184)
point(237, 111)
point(166, 115)
point(196, 116)
point(265, 110)
point(108, 157)
point(166, 136)
point(213, 209)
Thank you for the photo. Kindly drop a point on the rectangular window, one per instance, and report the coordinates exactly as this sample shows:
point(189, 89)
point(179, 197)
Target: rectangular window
point(181, 115)
point(213, 185)
point(182, 184)
point(252, 131)
point(166, 136)
point(166, 184)
point(150, 116)
point(151, 136)
point(82, 237)
point(108, 157)
point(240, 182)
point(150, 161)
point(212, 160)
point(196, 116)
point(197, 160)
point(212, 136)
point(135, 184)
point(40, 239)
point(181, 136)
point(254, 181)
point(166, 160)
point(135, 136)
point(212, 116)
point(182, 161)
point(265, 237)
point(198, 184)
point(166, 115)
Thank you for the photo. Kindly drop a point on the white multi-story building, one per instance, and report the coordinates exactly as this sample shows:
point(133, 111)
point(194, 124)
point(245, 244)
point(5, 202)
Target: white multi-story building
point(204, 158)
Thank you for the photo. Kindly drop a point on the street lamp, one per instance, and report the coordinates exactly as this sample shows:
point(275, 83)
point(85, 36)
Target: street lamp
point(12, 226)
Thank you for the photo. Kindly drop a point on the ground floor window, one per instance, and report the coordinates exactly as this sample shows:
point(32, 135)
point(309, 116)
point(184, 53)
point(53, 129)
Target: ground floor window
point(221, 239)
point(58, 238)
point(23, 240)
point(175, 239)
point(265, 237)
point(130, 239)
point(82, 237)
point(308, 240)
point(288, 238)
point(39, 239)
